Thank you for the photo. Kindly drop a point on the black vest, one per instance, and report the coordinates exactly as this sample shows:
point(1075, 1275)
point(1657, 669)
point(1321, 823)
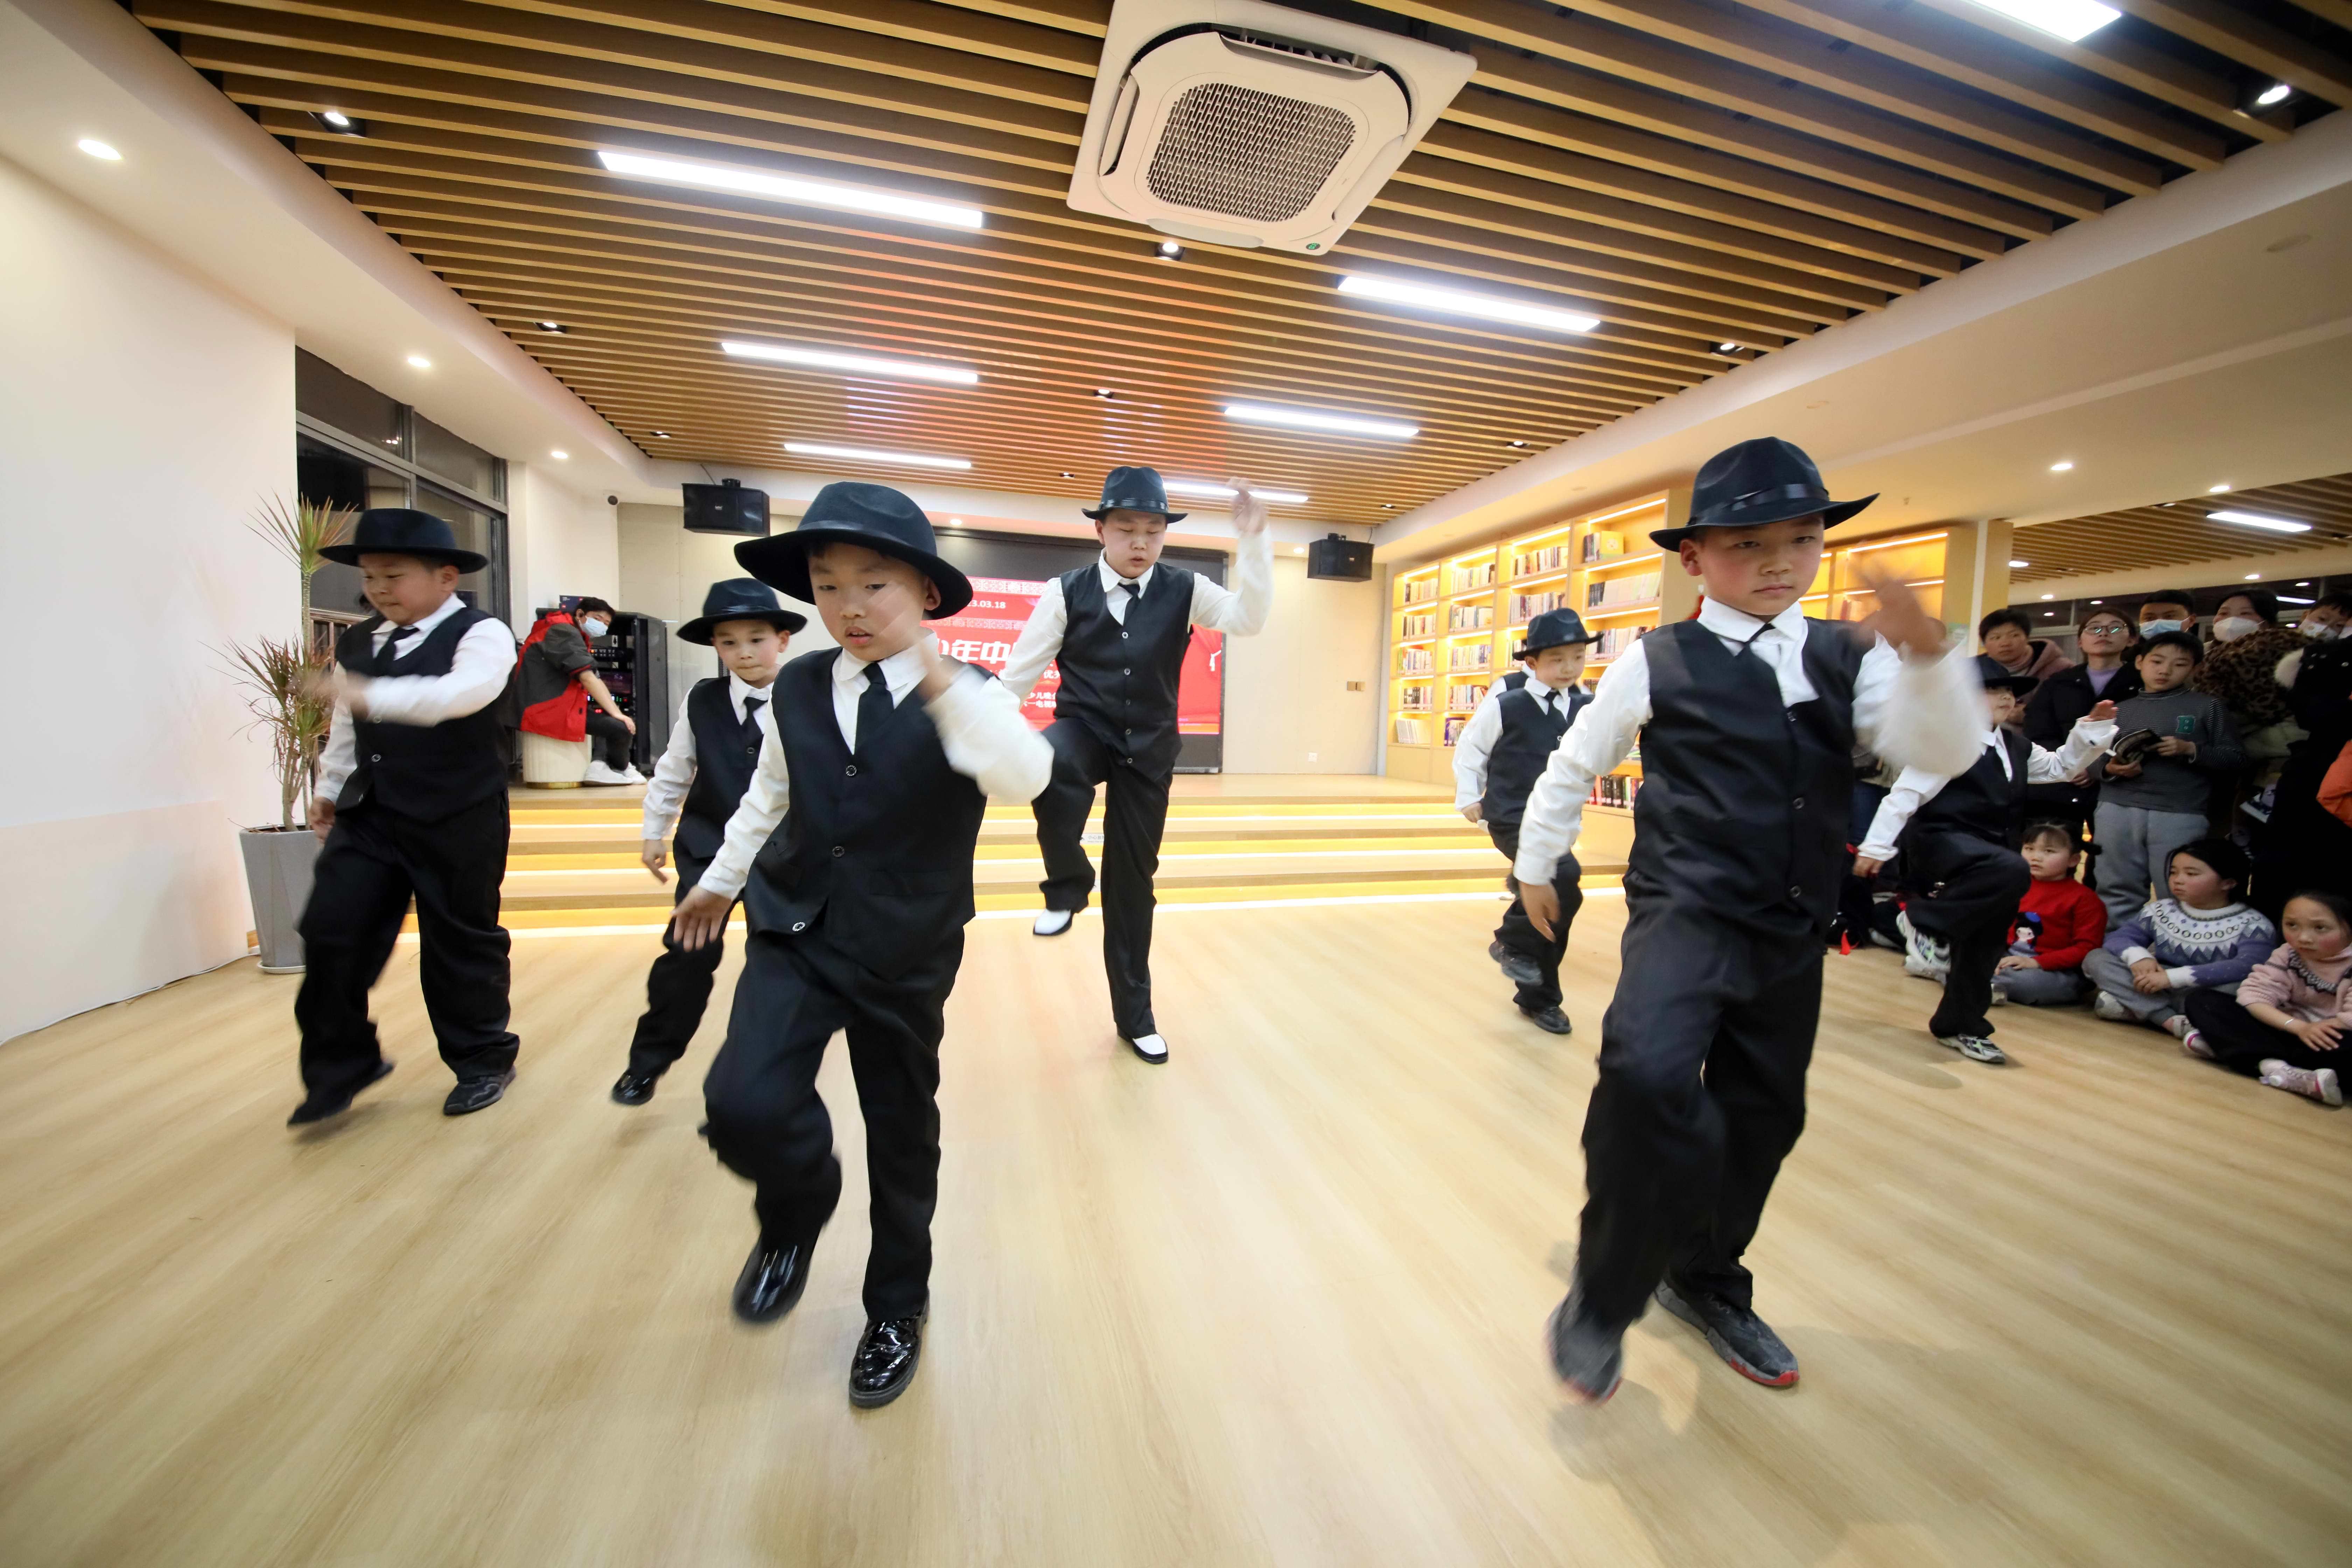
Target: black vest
point(725, 754)
point(429, 772)
point(1980, 803)
point(1119, 680)
point(1745, 802)
point(1523, 750)
point(879, 842)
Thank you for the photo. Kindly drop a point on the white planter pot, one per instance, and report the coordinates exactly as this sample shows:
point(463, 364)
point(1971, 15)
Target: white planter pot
point(278, 873)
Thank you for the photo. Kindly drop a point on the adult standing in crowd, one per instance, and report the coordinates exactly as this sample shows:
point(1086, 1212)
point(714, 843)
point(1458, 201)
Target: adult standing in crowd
point(2166, 610)
point(2103, 675)
point(2241, 668)
point(2304, 844)
point(2007, 638)
point(559, 676)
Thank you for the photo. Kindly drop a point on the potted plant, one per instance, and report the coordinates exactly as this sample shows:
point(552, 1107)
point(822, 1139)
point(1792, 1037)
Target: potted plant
point(283, 684)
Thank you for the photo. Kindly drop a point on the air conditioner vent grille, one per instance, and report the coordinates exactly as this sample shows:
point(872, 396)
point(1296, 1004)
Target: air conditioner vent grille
point(1234, 150)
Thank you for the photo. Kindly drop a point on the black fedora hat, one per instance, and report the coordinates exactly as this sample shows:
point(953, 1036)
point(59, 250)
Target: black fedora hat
point(1756, 483)
point(740, 599)
point(1553, 629)
point(1997, 677)
point(404, 530)
point(851, 513)
point(1134, 490)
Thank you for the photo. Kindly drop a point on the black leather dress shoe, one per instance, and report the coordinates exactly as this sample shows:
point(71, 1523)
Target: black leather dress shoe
point(885, 1362)
point(318, 1107)
point(1518, 970)
point(474, 1094)
point(773, 1280)
point(636, 1087)
point(1551, 1020)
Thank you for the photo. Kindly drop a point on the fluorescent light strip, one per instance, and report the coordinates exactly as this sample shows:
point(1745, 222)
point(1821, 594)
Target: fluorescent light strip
point(2256, 520)
point(869, 454)
point(2072, 20)
point(788, 188)
point(854, 364)
point(1314, 419)
point(1461, 302)
point(1208, 491)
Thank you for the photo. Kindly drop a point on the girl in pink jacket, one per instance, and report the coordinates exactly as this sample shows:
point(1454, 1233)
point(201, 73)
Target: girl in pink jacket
point(2289, 1021)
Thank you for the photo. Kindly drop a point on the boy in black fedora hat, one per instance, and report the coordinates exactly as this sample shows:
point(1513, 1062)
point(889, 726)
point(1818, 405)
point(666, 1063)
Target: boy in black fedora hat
point(696, 785)
point(1747, 715)
point(857, 907)
point(1496, 761)
point(1962, 875)
point(1118, 628)
point(412, 802)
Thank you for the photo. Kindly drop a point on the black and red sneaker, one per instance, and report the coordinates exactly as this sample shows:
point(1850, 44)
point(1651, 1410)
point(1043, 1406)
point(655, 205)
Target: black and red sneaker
point(1738, 1335)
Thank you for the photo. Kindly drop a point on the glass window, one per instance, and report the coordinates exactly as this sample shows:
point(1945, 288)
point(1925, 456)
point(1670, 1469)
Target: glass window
point(327, 474)
point(357, 409)
point(459, 461)
point(483, 532)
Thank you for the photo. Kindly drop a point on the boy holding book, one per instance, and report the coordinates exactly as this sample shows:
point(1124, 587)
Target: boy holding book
point(1747, 715)
point(696, 785)
point(886, 754)
point(2156, 790)
point(1496, 761)
point(1962, 874)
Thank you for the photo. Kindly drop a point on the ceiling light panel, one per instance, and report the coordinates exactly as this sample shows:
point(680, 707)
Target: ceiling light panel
point(871, 455)
point(838, 195)
point(1462, 302)
point(2071, 20)
point(1315, 419)
point(1208, 491)
point(854, 364)
point(2256, 520)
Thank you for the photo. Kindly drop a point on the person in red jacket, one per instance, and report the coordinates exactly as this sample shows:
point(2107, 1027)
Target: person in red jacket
point(2059, 922)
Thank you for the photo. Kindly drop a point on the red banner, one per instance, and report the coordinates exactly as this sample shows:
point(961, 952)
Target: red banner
point(983, 633)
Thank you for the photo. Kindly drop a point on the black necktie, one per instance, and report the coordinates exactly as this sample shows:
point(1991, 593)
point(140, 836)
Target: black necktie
point(392, 645)
point(751, 706)
point(873, 707)
point(1551, 700)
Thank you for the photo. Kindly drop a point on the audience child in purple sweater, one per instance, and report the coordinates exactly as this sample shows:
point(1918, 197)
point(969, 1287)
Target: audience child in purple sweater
point(2201, 936)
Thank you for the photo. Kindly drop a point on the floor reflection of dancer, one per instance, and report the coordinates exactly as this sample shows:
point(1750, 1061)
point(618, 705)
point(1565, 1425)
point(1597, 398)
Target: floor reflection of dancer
point(1747, 716)
point(1119, 628)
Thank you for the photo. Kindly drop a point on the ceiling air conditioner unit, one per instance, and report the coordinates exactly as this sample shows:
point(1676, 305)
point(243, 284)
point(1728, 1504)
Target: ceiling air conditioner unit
point(1233, 123)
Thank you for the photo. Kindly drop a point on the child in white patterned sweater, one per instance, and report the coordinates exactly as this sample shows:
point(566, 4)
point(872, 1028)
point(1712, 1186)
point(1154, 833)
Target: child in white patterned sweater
point(2201, 936)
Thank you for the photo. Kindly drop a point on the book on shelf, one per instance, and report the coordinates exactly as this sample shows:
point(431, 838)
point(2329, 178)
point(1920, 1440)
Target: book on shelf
point(1411, 731)
point(1600, 546)
point(1532, 562)
point(1464, 696)
point(1469, 617)
point(1421, 590)
point(1415, 698)
point(1612, 789)
point(1415, 661)
point(1453, 727)
point(1615, 640)
point(1632, 589)
point(1472, 658)
point(1423, 625)
point(1525, 607)
point(1469, 578)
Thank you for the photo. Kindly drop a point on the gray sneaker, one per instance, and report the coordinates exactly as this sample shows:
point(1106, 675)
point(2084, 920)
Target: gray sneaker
point(1586, 1357)
point(1976, 1047)
point(1736, 1334)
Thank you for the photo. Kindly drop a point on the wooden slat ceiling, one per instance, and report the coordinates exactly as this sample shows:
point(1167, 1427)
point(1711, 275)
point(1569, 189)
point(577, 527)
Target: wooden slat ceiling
point(2177, 533)
point(1692, 173)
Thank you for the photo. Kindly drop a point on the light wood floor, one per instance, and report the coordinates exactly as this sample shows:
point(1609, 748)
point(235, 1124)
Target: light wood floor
point(1278, 1303)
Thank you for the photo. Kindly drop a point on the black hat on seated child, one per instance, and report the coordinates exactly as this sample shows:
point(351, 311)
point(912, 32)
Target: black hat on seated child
point(873, 517)
point(404, 530)
point(1756, 483)
point(1996, 677)
point(1134, 490)
point(1553, 629)
point(740, 599)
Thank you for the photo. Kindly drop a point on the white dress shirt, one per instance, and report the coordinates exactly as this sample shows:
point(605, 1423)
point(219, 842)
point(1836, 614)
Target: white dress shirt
point(1215, 605)
point(1476, 742)
point(480, 667)
point(981, 728)
point(673, 772)
point(1915, 787)
point(1924, 713)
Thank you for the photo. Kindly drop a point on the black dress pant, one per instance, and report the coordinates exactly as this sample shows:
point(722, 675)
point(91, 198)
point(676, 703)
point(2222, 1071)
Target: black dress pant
point(1518, 934)
point(678, 987)
point(374, 861)
point(611, 737)
point(1135, 811)
point(1964, 891)
point(1701, 1095)
point(2241, 1042)
point(769, 1126)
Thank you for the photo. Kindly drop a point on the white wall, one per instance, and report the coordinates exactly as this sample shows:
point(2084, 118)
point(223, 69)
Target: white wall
point(558, 541)
point(143, 415)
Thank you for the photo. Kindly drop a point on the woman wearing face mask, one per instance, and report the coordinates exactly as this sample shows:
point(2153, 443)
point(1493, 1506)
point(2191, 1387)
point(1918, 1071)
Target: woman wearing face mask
point(558, 676)
point(2302, 845)
point(2241, 668)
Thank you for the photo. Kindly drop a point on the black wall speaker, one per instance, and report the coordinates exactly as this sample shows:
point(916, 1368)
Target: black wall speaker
point(1339, 560)
point(726, 508)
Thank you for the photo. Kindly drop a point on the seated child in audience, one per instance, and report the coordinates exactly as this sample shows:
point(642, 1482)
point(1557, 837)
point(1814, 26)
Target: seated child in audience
point(2201, 936)
point(2060, 924)
point(2287, 1025)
